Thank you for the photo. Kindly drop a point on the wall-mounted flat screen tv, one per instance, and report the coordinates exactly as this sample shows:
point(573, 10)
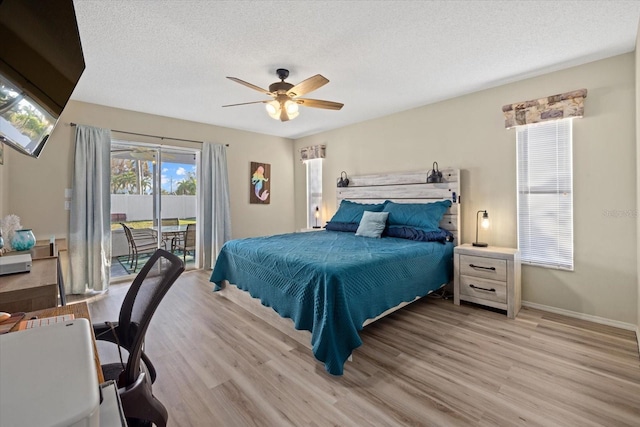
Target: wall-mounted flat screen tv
point(41, 61)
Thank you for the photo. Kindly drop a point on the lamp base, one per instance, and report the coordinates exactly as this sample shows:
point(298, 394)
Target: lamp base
point(480, 244)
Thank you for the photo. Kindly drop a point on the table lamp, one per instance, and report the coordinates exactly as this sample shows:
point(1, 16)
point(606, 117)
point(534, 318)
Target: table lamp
point(484, 224)
point(317, 215)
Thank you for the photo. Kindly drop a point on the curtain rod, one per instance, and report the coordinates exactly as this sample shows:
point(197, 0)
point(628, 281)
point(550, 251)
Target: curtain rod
point(152, 136)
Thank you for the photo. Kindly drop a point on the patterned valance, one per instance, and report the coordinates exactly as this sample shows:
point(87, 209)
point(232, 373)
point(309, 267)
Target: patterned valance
point(313, 152)
point(561, 106)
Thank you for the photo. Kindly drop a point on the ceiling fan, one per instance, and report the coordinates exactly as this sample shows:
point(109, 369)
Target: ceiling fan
point(138, 153)
point(286, 97)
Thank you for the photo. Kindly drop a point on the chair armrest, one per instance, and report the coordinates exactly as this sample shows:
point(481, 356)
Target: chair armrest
point(150, 368)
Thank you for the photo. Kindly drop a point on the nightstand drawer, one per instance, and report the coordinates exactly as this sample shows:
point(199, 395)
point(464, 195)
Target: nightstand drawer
point(482, 288)
point(488, 268)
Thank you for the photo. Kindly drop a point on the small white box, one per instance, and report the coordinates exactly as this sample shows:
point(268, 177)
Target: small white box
point(10, 264)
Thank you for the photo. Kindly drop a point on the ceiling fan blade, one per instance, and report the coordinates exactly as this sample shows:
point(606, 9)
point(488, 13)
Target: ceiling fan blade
point(247, 84)
point(284, 117)
point(306, 86)
point(246, 103)
point(318, 103)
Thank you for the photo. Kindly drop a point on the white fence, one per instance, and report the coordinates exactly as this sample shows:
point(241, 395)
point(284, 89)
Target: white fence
point(140, 207)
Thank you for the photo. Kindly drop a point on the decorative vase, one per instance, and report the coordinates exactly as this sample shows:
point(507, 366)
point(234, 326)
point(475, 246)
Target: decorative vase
point(23, 240)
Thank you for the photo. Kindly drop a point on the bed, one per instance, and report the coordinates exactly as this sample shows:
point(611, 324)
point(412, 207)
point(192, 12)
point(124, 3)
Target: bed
point(333, 283)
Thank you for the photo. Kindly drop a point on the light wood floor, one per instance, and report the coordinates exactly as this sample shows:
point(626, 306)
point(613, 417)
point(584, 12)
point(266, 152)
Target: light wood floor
point(431, 363)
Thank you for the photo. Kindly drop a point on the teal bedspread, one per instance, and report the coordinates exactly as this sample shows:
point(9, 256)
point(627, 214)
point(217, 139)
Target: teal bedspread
point(330, 282)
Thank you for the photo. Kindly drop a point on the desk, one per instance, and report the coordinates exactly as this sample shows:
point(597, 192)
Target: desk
point(31, 291)
point(79, 310)
point(48, 378)
point(39, 288)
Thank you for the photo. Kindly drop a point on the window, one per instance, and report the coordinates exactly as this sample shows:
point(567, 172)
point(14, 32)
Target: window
point(545, 194)
point(314, 191)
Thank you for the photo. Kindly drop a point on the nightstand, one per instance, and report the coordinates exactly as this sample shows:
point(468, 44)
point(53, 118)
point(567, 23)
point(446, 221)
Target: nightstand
point(488, 276)
point(306, 230)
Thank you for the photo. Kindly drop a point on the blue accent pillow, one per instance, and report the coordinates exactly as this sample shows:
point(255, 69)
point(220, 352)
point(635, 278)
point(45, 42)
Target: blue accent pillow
point(372, 224)
point(426, 216)
point(342, 226)
point(352, 211)
point(411, 233)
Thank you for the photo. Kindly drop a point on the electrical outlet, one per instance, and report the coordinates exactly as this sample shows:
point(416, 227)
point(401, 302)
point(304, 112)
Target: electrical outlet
point(67, 205)
point(67, 193)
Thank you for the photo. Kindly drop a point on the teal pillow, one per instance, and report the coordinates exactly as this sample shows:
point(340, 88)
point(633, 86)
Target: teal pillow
point(352, 211)
point(426, 216)
point(372, 224)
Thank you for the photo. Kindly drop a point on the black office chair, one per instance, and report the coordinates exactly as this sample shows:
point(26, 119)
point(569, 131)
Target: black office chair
point(135, 378)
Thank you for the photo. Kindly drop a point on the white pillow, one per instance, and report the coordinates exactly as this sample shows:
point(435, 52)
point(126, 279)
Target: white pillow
point(372, 224)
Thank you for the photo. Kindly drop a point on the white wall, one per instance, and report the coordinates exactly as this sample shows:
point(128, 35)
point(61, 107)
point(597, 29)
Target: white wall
point(468, 132)
point(35, 191)
point(139, 207)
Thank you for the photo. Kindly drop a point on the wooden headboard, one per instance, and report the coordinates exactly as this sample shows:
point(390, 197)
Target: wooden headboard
point(408, 187)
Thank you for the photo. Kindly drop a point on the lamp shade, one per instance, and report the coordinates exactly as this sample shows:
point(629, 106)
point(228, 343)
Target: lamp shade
point(485, 225)
point(316, 214)
point(273, 109)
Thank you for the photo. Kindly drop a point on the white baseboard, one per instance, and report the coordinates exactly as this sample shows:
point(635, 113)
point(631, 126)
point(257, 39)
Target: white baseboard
point(589, 317)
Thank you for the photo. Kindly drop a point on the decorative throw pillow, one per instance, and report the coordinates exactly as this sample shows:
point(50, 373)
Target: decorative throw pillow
point(342, 226)
point(426, 216)
point(372, 224)
point(352, 211)
point(417, 234)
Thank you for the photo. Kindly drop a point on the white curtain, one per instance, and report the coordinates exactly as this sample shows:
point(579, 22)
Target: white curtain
point(214, 222)
point(90, 222)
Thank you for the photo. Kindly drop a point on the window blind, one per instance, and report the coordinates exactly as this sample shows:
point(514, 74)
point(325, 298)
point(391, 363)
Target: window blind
point(314, 191)
point(545, 194)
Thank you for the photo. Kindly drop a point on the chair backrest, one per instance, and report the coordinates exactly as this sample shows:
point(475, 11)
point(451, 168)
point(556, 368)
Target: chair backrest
point(166, 221)
point(170, 221)
point(190, 236)
point(127, 233)
point(142, 299)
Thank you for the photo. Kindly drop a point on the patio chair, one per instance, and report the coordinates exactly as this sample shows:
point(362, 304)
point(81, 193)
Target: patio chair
point(141, 241)
point(167, 221)
point(186, 242)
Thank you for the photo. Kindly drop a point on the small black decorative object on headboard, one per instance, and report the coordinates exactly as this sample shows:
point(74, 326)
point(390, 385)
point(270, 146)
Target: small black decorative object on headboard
point(343, 182)
point(435, 176)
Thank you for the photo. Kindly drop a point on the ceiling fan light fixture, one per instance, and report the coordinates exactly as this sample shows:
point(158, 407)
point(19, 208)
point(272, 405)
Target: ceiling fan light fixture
point(292, 107)
point(293, 115)
point(286, 101)
point(273, 109)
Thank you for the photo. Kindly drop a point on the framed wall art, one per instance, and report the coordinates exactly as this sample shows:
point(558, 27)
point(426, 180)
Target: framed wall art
point(260, 188)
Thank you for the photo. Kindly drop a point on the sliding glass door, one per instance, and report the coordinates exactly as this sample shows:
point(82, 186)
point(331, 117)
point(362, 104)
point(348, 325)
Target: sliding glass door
point(153, 194)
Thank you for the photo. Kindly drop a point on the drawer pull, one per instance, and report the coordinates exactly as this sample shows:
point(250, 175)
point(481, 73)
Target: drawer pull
point(483, 268)
point(482, 289)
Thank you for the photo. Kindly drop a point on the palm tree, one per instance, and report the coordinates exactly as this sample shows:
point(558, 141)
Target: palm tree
point(187, 186)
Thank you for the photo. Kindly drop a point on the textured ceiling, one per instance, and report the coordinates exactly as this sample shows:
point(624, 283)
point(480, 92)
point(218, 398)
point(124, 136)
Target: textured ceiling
point(171, 58)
